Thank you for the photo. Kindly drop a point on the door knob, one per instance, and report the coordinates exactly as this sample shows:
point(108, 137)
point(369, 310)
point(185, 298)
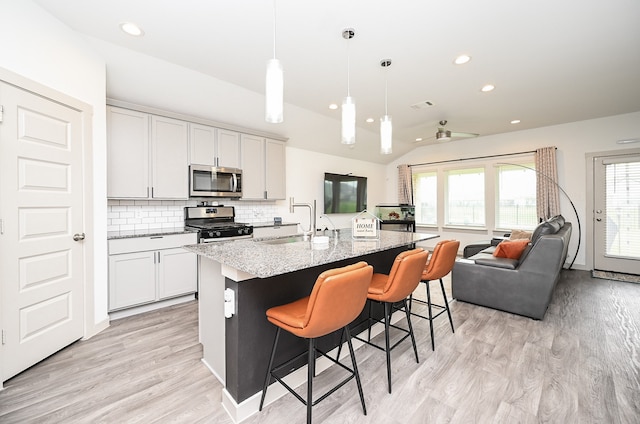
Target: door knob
point(78, 237)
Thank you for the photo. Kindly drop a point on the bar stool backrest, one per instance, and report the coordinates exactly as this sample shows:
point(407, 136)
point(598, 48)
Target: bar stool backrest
point(442, 260)
point(405, 274)
point(337, 298)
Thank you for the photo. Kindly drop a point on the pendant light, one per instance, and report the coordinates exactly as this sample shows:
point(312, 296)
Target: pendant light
point(386, 130)
point(274, 87)
point(348, 104)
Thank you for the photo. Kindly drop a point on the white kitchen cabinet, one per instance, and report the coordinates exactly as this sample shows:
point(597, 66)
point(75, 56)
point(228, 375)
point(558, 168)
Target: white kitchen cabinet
point(252, 164)
point(263, 168)
point(213, 146)
point(169, 153)
point(227, 148)
point(127, 153)
point(147, 156)
point(275, 184)
point(144, 270)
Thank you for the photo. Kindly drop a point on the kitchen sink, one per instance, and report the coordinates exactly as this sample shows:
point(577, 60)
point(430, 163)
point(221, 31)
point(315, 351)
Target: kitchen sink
point(284, 240)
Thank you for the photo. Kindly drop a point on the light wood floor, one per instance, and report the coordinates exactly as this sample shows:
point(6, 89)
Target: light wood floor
point(581, 364)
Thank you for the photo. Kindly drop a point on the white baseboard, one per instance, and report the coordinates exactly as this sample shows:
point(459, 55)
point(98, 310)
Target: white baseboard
point(123, 313)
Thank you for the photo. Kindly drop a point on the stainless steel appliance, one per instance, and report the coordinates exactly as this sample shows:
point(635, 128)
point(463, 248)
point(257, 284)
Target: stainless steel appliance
point(214, 181)
point(215, 223)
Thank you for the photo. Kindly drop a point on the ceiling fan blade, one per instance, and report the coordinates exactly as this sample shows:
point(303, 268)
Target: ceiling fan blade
point(463, 134)
point(423, 140)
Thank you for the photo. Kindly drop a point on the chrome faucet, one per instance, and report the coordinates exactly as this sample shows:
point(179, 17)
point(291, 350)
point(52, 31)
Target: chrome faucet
point(312, 217)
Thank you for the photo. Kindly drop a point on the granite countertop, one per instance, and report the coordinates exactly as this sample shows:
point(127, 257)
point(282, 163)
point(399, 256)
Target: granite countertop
point(148, 233)
point(266, 257)
point(272, 224)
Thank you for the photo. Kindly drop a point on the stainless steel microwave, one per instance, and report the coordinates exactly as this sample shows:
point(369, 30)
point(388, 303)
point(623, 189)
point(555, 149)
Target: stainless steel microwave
point(214, 181)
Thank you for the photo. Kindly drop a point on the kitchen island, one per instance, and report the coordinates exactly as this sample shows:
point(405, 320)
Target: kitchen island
point(256, 274)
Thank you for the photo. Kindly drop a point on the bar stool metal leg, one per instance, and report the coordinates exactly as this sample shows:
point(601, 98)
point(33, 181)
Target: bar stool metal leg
point(355, 368)
point(433, 343)
point(267, 379)
point(387, 319)
point(413, 339)
point(446, 304)
point(311, 372)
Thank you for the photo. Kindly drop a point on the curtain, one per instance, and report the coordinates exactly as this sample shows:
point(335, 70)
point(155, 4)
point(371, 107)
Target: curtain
point(547, 193)
point(405, 190)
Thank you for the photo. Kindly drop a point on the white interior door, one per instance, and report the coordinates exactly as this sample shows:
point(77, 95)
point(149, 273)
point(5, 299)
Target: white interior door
point(617, 213)
point(41, 208)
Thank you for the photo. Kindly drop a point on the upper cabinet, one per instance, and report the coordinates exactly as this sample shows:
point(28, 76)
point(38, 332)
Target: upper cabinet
point(147, 156)
point(275, 164)
point(263, 168)
point(213, 146)
point(127, 153)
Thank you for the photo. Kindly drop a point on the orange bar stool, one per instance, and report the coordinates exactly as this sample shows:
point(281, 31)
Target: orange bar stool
point(394, 288)
point(440, 264)
point(337, 298)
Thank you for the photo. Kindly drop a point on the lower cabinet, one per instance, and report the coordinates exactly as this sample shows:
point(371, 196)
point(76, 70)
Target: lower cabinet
point(143, 270)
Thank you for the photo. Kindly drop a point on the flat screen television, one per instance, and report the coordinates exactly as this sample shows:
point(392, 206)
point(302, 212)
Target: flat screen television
point(344, 193)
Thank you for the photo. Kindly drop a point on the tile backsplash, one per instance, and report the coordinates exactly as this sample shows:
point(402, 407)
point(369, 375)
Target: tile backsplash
point(128, 215)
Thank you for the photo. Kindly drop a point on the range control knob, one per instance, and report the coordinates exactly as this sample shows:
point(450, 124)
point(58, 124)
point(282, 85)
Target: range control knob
point(210, 233)
point(218, 233)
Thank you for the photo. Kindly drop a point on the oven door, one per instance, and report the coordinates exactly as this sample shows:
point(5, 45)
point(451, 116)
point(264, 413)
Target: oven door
point(211, 181)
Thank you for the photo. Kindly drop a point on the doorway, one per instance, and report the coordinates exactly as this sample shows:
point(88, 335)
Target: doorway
point(42, 223)
point(616, 212)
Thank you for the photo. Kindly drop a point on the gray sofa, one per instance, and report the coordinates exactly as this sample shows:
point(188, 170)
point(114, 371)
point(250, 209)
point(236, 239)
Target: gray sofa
point(521, 286)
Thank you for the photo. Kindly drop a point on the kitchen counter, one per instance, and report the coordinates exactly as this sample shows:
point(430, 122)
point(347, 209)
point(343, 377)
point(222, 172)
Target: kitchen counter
point(260, 259)
point(148, 233)
point(248, 276)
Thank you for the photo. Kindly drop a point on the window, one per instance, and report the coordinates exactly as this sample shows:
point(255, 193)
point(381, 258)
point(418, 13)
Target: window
point(465, 205)
point(425, 193)
point(516, 196)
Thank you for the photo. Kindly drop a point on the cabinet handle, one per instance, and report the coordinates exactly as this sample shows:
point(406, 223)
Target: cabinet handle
point(156, 237)
point(158, 257)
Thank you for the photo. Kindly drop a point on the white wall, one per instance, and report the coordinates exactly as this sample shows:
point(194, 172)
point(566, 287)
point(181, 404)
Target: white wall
point(39, 47)
point(573, 140)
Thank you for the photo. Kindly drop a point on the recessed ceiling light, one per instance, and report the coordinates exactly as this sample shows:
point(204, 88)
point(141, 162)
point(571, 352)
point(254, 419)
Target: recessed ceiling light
point(333, 106)
point(419, 139)
point(132, 29)
point(370, 120)
point(515, 121)
point(462, 59)
point(487, 88)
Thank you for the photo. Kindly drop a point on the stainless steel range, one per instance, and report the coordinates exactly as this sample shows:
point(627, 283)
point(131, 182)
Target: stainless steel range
point(215, 223)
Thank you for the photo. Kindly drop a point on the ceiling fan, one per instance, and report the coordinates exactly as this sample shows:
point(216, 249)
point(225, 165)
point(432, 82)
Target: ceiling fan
point(445, 135)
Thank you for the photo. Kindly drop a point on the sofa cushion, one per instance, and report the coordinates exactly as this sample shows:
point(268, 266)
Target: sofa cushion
point(511, 249)
point(520, 234)
point(547, 227)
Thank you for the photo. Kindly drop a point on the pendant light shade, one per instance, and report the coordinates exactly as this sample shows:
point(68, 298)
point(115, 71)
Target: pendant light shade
point(386, 128)
point(348, 120)
point(348, 103)
point(274, 92)
point(274, 84)
point(386, 135)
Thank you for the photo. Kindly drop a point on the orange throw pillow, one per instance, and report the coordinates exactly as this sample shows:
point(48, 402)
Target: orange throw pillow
point(511, 249)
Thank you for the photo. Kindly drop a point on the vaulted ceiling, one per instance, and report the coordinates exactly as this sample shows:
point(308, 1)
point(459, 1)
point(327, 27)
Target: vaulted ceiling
point(550, 61)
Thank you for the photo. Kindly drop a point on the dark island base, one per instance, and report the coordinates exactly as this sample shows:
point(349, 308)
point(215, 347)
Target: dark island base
point(249, 336)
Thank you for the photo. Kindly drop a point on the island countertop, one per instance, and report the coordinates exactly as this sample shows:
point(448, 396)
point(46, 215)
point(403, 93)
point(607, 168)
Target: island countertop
point(267, 257)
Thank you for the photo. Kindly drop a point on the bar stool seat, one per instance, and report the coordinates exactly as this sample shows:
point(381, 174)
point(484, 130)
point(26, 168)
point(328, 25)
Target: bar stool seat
point(337, 298)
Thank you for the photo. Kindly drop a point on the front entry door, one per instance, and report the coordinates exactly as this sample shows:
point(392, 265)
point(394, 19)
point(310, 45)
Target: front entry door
point(41, 208)
point(617, 213)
